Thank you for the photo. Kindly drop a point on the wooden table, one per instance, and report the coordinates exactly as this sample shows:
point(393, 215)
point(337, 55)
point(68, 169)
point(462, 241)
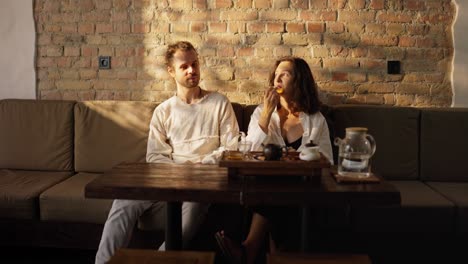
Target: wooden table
point(288, 258)
point(175, 183)
point(138, 256)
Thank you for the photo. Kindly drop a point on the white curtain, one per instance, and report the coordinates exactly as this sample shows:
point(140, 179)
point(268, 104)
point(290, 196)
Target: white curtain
point(17, 46)
point(460, 66)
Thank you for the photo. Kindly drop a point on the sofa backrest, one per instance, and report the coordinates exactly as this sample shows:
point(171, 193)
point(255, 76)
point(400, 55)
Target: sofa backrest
point(248, 111)
point(239, 111)
point(94, 136)
point(110, 132)
point(36, 135)
point(396, 132)
point(444, 144)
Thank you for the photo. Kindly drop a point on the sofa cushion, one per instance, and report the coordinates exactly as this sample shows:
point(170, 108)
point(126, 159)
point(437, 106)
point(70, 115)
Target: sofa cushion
point(396, 132)
point(444, 144)
point(110, 132)
point(457, 192)
point(36, 135)
point(422, 210)
point(20, 190)
point(66, 202)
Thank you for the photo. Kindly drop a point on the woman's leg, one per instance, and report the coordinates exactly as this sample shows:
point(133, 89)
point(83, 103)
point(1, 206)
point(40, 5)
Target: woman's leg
point(255, 238)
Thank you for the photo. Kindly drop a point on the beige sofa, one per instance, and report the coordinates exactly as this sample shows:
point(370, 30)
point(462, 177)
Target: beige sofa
point(49, 151)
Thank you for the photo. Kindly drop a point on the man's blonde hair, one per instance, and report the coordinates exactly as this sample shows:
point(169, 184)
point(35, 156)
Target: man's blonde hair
point(171, 49)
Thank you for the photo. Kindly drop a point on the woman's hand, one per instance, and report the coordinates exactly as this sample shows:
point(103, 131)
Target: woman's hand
point(270, 101)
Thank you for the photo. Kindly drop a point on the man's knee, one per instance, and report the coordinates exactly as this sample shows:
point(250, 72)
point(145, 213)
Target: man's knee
point(128, 208)
point(194, 209)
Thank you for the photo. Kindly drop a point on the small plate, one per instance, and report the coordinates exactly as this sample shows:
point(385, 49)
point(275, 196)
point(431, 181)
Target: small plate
point(259, 157)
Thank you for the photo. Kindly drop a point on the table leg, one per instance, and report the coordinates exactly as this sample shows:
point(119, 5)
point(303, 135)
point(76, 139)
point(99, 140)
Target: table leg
point(174, 226)
point(305, 226)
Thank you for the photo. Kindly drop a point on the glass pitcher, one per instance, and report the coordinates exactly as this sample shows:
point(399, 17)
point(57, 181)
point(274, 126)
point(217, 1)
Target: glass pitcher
point(355, 151)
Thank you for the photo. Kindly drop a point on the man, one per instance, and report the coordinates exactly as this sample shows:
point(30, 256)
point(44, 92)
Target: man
point(195, 126)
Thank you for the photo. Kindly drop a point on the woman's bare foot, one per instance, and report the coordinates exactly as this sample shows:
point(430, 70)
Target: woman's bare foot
point(231, 251)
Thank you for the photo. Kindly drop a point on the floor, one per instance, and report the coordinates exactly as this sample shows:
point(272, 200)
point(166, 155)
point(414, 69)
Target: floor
point(382, 251)
point(25, 255)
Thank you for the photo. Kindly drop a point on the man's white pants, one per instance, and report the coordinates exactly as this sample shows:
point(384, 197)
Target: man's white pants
point(124, 215)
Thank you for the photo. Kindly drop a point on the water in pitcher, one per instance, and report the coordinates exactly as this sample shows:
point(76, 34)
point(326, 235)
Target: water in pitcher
point(354, 165)
point(354, 152)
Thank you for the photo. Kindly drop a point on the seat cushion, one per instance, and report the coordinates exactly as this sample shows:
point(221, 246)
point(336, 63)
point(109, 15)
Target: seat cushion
point(20, 190)
point(457, 192)
point(66, 202)
point(110, 132)
point(396, 132)
point(422, 210)
point(444, 144)
point(36, 135)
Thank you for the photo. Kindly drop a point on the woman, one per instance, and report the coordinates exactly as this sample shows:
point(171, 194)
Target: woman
point(289, 116)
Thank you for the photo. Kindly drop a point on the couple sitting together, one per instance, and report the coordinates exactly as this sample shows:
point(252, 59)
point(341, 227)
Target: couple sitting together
point(197, 125)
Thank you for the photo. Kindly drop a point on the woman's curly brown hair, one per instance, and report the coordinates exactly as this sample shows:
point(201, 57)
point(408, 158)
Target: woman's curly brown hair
point(305, 97)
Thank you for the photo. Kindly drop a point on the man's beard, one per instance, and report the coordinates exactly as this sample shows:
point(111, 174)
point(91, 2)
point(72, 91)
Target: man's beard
point(191, 83)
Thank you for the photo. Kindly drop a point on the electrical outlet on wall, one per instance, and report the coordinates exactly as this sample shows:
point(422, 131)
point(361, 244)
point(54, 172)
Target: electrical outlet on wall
point(104, 62)
point(393, 67)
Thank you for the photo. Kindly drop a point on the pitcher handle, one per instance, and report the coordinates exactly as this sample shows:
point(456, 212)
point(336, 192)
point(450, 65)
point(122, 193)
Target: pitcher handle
point(337, 141)
point(372, 142)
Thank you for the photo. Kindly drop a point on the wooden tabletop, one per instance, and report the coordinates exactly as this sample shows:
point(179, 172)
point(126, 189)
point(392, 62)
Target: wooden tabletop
point(165, 182)
point(139, 256)
point(210, 183)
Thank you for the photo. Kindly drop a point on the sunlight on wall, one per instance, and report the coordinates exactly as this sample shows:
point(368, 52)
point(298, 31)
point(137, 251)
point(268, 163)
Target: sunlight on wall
point(347, 45)
point(217, 70)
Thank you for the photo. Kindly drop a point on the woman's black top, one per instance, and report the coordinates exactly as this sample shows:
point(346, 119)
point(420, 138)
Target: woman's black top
point(296, 144)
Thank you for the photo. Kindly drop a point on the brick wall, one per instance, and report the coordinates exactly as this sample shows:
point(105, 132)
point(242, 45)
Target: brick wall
point(346, 42)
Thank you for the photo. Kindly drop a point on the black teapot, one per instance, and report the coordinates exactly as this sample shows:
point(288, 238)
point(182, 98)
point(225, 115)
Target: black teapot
point(273, 151)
